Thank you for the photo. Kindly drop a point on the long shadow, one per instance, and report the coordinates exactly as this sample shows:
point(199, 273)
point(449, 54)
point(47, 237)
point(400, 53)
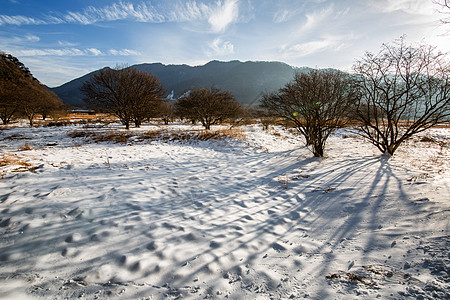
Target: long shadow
point(216, 203)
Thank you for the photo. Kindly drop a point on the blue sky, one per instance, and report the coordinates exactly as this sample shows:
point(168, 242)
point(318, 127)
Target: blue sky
point(61, 40)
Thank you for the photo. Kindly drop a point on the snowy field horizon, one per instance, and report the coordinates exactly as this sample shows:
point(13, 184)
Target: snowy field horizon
point(161, 214)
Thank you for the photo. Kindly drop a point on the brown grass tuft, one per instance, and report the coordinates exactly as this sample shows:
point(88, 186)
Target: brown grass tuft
point(13, 160)
point(160, 135)
point(112, 136)
point(25, 147)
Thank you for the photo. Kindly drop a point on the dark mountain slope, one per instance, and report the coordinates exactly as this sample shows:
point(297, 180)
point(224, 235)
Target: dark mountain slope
point(245, 80)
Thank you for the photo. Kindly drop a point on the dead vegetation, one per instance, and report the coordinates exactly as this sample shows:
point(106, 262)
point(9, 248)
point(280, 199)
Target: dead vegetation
point(121, 137)
point(15, 164)
point(25, 147)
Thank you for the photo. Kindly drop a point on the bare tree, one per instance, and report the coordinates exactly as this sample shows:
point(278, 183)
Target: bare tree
point(403, 90)
point(167, 111)
point(37, 99)
point(444, 9)
point(129, 94)
point(209, 106)
point(316, 103)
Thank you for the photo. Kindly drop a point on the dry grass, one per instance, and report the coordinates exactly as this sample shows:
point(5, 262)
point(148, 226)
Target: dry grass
point(159, 135)
point(112, 136)
point(25, 147)
point(15, 164)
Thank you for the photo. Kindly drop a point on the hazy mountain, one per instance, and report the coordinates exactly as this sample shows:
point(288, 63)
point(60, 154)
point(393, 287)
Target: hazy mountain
point(245, 80)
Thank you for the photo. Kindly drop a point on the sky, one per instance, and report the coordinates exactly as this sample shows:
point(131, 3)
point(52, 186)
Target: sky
point(65, 39)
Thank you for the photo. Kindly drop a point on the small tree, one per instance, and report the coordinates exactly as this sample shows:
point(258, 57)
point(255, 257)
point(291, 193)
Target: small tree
point(403, 90)
point(37, 99)
point(209, 106)
point(316, 103)
point(167, 111)
point(129, 94)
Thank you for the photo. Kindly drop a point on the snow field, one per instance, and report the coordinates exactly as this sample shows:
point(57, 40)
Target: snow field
point(258, 218)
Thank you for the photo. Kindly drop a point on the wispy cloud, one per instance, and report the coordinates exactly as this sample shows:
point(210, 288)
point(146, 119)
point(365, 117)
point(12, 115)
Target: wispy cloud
point(32, 38)
point(74, 52)
point(123, 52)
point(20, 20)
point(317, 17)
point(23, 39)
point(219, 14)
point(219, 47)
point(282, 15)
point(328, 43)
point(143, 12)
point(225, 14)
point(414, 7)
point(67, 44)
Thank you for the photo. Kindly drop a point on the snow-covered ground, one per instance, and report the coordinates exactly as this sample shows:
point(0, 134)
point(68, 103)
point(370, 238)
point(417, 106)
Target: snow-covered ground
point(255, 218)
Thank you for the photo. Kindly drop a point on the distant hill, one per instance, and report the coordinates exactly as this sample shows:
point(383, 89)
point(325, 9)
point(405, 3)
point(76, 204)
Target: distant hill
point(247, 81)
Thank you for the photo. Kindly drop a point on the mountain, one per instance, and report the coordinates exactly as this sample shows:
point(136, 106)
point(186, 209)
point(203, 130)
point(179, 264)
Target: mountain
point(247, 81)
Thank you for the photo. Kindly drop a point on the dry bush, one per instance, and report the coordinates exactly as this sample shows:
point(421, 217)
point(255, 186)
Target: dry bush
point(58, 123)
point(112, 136)
point(160, 135)
point(25, 147)
point(429, 139)
point(80, 134)
point(204, 135)
point(115, 137)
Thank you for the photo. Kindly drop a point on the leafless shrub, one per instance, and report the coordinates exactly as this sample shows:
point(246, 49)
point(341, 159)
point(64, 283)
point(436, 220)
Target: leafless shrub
point(115, 137)
point(316, 103)
point(80, 134)
point(403, 90)
point(209, 106)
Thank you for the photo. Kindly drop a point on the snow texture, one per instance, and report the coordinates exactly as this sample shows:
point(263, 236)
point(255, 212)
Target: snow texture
point(258, 218)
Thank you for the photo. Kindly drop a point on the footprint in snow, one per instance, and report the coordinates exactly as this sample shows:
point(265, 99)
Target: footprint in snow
point(73, 238)
point(277, 247)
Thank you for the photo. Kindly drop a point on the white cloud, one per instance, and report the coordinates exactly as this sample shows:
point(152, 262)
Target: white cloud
point(218, 47)
point(73, 52)
point(19, 20)
point(142, 12)
point(414, 7)
point(23, 39)
point(282, 16)
point(317, 17)
point(225, 14)
point(32, 38)
point(94, 51)
point(66, 44)
point(328, 43)
point(189, 11)
point(219, 14)
point(123, 52)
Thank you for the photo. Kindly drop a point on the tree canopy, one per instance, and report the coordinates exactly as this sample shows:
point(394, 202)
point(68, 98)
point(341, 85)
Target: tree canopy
point(209, 106)
point(403, 90)
point(127, 93)
point(316, 103)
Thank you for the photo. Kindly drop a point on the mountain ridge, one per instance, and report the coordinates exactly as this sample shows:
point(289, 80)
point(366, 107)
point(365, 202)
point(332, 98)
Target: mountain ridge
point(247, 81)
